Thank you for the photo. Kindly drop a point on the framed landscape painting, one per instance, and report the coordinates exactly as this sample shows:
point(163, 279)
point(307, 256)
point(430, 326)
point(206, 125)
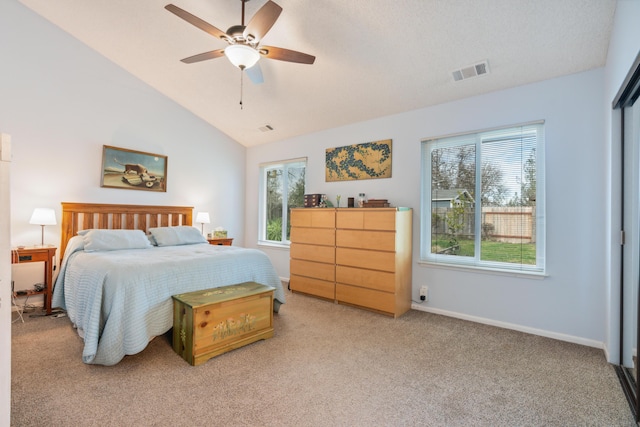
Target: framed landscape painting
point(370, 160)
point(133, 170)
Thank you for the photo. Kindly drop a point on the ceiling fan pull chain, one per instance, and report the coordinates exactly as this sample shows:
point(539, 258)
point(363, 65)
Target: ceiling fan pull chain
point(241, 80)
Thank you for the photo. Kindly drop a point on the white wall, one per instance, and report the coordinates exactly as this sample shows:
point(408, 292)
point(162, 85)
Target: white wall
point(5, 280)
point(623, 49)
point(569, 303)
point(62, 102)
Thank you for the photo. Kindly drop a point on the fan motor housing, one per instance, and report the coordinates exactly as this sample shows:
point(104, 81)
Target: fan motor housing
point(236, 32)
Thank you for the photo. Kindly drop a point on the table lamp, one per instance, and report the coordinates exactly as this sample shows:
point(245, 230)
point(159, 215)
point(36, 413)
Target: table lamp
point(202, 218)
point(42, 217)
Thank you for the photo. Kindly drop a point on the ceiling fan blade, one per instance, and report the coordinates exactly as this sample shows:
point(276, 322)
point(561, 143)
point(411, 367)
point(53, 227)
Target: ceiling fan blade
point(282, 54)
point(204, 56)
point(194, 20)
point(262, 21)
point(255, 74)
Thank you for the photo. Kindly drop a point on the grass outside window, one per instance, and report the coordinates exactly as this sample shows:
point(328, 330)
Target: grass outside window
point(523, 253)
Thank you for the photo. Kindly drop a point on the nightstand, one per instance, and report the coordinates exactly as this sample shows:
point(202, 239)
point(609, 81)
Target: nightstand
point(38, 254)
point(220, 241)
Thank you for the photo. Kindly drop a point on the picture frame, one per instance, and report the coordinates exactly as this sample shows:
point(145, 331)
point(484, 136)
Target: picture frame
point(133, 170)
point(370, 160)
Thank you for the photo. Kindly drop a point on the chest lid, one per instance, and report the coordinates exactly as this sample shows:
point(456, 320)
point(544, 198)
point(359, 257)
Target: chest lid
point(221, 294)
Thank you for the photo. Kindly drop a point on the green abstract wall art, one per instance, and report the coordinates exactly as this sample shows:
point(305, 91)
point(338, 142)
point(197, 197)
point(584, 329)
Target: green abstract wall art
point(370, 160)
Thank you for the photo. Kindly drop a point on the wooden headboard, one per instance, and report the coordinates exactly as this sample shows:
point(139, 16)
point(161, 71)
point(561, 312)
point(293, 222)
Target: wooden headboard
point(82, 216)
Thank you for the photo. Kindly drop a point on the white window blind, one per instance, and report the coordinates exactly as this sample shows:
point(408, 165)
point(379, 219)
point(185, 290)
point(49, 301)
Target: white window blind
point(483, 199)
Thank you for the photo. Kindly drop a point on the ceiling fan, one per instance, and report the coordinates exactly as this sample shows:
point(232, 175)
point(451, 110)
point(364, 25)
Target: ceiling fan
point(244, 48)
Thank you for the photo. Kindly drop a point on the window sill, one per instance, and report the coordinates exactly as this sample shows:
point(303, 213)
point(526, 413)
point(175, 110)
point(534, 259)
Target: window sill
point(535, 275)
point(275, 245)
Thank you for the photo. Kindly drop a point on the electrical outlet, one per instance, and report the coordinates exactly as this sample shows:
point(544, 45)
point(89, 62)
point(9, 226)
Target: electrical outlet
point(424, 293)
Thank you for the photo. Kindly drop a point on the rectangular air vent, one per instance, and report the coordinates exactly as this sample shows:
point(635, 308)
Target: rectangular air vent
point(474, 70)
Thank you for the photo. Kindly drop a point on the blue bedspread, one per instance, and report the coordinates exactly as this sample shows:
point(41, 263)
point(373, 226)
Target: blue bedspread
point(119, 300)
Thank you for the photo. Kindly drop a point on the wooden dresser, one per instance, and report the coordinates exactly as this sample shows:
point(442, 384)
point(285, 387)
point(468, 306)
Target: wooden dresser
point(313, 252)
point(369, 264)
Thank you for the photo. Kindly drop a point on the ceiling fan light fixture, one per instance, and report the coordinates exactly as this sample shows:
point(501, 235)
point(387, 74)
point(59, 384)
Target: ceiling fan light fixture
point(242, 56)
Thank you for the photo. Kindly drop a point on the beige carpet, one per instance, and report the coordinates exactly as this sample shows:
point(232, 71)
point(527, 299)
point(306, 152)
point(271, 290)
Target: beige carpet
point(328, 365)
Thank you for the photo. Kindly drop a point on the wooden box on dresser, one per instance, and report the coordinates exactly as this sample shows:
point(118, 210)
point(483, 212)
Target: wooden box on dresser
point(372, 257)
point(312, 252)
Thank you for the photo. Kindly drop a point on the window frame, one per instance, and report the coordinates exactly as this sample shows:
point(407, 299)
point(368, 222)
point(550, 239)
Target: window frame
point(475, 262)
point(262, 202)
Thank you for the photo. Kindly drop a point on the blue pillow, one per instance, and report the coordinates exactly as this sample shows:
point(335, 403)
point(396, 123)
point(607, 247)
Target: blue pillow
point(111, 240)
point(175, 236)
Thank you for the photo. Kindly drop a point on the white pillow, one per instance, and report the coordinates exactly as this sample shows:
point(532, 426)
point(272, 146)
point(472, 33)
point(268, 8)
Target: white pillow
point(112, 240)
point(174, 236)
point(76, 243)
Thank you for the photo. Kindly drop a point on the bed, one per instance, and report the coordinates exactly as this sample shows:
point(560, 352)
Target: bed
point(116, 287)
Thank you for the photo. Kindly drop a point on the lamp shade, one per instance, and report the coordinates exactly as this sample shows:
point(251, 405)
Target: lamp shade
point(43, 216)
point(203, 217)
point(242, 56)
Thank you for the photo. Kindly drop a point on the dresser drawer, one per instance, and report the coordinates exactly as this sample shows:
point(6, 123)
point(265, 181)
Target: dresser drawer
point(374, 260)
point(367, 219)
point(312, 269)
point(324, 254)
point(369, 298)
point(361, 239)
point(379, 280)
point(314, 217)
point(309, 285)
point(314, 236)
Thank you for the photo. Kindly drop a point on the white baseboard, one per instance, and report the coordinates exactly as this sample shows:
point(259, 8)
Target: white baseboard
point(34, 304)
point(512, 326)
point(607, 356)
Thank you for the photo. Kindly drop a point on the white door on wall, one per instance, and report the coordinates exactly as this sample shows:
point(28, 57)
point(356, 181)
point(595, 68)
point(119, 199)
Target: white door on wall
point(5, 282)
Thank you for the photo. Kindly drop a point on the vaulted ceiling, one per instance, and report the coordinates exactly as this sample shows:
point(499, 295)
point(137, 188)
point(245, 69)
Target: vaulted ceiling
point(373, 57)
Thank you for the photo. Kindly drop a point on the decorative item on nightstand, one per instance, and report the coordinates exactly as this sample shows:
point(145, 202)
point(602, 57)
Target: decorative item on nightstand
point(219, 233)
point(219, 237)
point(202, 218)
point(42, 217)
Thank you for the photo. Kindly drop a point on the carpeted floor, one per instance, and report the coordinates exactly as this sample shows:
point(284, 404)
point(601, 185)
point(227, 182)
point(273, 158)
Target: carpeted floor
point(328, 365)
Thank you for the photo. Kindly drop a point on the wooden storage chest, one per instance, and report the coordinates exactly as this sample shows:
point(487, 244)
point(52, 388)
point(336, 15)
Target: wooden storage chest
point(210, 322)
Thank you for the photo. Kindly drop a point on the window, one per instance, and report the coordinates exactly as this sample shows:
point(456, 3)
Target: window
point(483, 199)
point(282, 188)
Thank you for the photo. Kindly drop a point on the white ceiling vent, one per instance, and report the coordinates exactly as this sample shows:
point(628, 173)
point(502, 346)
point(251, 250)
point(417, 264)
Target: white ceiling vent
point(266, 128)
point(474, 70)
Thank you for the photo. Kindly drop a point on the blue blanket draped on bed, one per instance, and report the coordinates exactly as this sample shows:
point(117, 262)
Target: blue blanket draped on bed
point(119, 300)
